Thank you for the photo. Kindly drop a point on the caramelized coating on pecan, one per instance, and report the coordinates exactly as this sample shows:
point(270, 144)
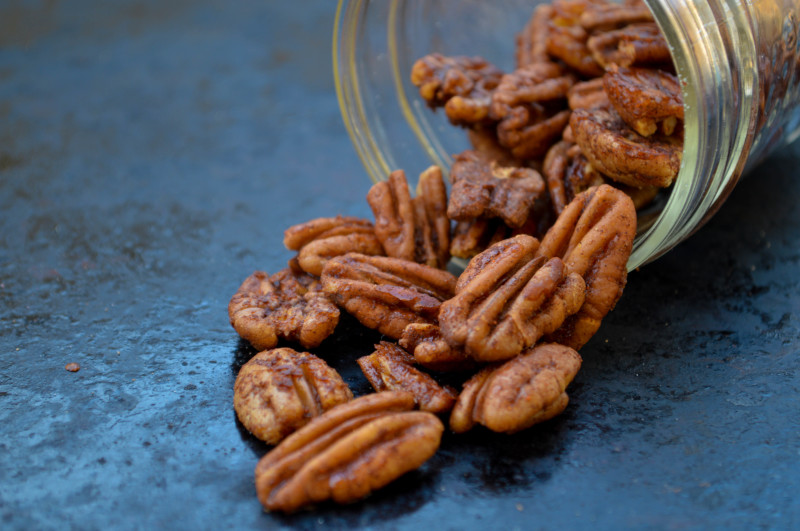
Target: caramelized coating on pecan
point(527, 105)
point(506, 299)
point(348, 452)
point(524, 391)
point(281, 390)
point(463, 85)
point(426, 343)
point(587, 95)
point(532, 40)
point(602, 16)
point(568, 43)
point(320, 239)
point(594, 236)
point(621, 153)
point(645, 98)
point(387, 294)
point(634, 45)
point(287, 305)
point(484, 189)
point(412, 229)
point(390, 368)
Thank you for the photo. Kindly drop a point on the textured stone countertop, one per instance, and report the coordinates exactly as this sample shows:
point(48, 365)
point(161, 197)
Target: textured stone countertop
point(151, 155)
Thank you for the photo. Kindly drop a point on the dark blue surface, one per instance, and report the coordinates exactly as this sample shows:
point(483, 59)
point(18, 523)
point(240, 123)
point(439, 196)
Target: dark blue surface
point(151, 154)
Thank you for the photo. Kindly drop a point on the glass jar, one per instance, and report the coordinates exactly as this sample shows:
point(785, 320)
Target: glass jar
point(738, 61)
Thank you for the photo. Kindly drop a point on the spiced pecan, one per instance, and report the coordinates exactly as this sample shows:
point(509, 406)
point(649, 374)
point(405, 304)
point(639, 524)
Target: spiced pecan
point(348, 452)
point(484, 189)
point(391, 368)
point(484, 142)
point(323, 238)
point(645, 98)
point(426, 343)
point(622, 154)
point(603, 16)
point(387, 293)
point(281, 390)
point(412, 229)
point(568, 173)
point(472, 236)
point(462, 85)
point(288, 305)
point(506, 299)
point(594, 237)
point(531, 44)
point(568, 43)
point(524, 391)
point(633, 45)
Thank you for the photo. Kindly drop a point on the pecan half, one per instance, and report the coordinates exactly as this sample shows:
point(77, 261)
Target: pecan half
point(412, 229)
point(599, 16)
point(568, 173)
point(531, 43)
point(594, 236)
point(348, 452)
point(645, 98)
point(320, 239)
point(387, 293)
point(288, 305)
point(622, 154)
point(470, 237)
point(281, 390)
point(484, 189)
point(426, 343)
point(463, 85)
point(390, 368)
point(518, 394)
point(637, 44)
point(587, 95)
point(506, 299)
point(568, 43)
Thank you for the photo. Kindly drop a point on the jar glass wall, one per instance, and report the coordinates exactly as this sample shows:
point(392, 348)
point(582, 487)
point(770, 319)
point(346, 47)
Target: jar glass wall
point(738, 61)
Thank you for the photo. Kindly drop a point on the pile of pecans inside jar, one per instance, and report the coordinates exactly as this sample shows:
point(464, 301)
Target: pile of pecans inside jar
point(594, 105)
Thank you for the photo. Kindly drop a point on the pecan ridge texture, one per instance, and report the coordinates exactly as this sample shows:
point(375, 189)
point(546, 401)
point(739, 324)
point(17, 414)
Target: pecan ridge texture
point(280, 390)
point(348, 452)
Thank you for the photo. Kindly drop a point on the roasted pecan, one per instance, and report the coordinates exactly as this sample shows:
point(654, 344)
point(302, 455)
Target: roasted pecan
point(601, 16)
point(634, 45)
point(645, 98)
point(390, 368)
point(463, 85)
point(528, 105)
point(348, 452)
point(568, 43)
point(506, 299)
point(587, 95)
point(518, 394)
point(473, 236)
point(412, 229)
point(387, 293)
point(532, 40)
point(484, 142)
point(426, 343)
point(484, 189)
point(594, 237)
point(281, 390)
point(287, 305)
point(323, 238)
point(622, 154)
point(568, 173)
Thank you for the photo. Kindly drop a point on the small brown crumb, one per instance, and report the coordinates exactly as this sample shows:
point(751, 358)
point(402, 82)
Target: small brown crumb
point(72, 367)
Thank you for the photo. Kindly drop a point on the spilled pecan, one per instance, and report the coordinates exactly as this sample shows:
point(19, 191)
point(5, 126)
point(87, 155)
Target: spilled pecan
point(426, 343)
point(645, 98)
point(320, 239)
point(594, 237)
point(524, 391)
point(463, 85)
point(506, 299)
point(484, 189)
point(281, 390)
point(622, 154)
point(390, 368)
point(387, 293)
point(289, 305)
point(412, 229)
point(348, 452)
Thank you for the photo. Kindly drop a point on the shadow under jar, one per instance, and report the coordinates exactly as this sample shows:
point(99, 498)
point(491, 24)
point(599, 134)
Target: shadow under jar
point(738, 62)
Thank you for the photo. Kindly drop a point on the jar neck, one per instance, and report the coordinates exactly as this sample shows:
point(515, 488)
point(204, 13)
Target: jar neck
point(714, 53)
